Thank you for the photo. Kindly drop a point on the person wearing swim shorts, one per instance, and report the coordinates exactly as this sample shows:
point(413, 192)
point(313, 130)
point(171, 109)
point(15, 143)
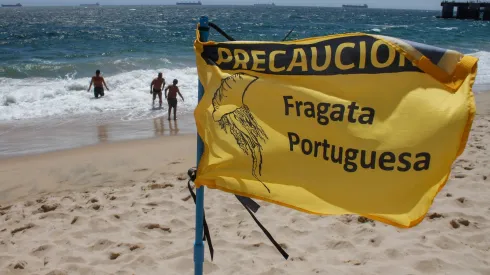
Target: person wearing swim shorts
point(99, 83)
point(172, 98)
point(156, 87)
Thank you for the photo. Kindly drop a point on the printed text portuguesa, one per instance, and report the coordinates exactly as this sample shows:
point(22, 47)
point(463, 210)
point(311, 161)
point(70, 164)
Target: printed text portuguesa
point(351, 159)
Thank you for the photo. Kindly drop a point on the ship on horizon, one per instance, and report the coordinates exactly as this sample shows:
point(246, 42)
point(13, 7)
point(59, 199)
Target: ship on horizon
point(265, 5)
point(365, 6)
point(198, 3)
point(18, 5)
point(90, 5)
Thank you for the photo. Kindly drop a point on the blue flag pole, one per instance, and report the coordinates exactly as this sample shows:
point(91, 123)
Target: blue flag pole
point(198, 244)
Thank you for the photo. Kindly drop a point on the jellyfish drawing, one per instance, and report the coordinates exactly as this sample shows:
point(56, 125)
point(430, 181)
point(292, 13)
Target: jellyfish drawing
point(235, 117)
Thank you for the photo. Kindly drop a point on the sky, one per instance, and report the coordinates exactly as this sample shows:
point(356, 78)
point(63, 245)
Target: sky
point(392, 4)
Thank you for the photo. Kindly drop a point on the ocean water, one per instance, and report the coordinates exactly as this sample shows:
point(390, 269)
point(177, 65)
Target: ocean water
point(47, 54)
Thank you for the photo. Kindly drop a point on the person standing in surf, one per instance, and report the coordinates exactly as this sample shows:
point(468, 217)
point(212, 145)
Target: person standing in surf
point(172, 98)
point(98, 81)
point(156, 88)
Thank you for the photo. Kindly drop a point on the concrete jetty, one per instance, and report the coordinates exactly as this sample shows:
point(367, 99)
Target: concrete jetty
point(466, 10)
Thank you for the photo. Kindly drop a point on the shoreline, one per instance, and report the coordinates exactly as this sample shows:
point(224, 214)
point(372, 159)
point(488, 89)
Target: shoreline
point(38, 136)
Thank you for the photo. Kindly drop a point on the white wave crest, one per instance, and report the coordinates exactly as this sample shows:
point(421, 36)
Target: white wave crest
point(447, 28)
point(129, 92)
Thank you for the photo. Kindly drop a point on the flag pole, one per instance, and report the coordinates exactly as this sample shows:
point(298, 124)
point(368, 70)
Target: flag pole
point(198, 244)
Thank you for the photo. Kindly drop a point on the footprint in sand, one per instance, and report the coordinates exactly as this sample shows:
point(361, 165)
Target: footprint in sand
point(5, 208)
point(365, 220)
point(93, 200)
point(134, 247)
point(20, 265)
point(435, 215)
point(300, 259)
point(157, 226)
point(21, 229)
point(54, 215)
point(41, 250)
point(46, 208)
point(41, 200)
point(159, 186)
point(114, 256)
point(456, 223)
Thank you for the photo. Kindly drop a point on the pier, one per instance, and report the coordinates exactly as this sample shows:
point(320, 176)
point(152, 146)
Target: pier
point(466, 10)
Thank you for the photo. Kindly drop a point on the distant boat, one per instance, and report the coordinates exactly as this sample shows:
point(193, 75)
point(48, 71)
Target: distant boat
point(18, 5)
point(355, 6)
point(90, 5)
point(265, 5)
point(198, 3)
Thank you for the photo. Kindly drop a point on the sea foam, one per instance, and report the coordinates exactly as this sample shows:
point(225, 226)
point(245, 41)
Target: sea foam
point(129, 92)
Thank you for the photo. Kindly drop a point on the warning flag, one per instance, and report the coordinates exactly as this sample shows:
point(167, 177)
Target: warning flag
point(352, 123)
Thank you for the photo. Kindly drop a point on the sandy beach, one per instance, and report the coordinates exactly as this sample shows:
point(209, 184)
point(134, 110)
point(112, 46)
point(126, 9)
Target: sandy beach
point(123, 207)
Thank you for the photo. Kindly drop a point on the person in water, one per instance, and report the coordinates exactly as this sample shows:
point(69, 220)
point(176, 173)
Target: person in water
point(172, 97)
point(156, 87)
point(98, 81)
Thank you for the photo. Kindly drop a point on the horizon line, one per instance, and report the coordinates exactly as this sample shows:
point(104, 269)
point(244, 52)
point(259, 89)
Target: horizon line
point(306, 6)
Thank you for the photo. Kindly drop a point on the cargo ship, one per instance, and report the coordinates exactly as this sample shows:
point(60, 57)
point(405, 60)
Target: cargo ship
point(198, 3)
point(365, 6)
point(18, 5)
point(265, 5)
point(90, 5)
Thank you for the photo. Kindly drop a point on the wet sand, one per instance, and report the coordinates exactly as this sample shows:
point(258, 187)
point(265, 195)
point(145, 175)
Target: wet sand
point(45, 135)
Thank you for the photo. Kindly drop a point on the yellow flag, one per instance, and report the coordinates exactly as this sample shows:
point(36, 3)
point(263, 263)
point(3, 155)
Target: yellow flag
point(351, 123)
